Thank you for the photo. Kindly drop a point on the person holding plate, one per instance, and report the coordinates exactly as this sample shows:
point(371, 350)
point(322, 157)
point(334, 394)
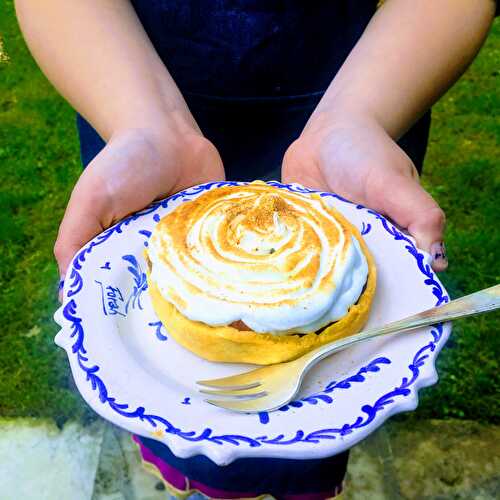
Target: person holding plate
point(334, 95)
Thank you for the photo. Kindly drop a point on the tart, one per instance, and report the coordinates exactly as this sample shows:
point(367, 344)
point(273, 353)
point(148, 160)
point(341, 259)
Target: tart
point(257, 274)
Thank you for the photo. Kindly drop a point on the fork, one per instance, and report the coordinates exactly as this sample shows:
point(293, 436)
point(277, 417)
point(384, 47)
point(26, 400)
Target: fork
point(270, 387)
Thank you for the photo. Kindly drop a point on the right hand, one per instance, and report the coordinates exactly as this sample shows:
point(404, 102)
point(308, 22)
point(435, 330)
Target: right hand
point(135, 168)
point(354, 157)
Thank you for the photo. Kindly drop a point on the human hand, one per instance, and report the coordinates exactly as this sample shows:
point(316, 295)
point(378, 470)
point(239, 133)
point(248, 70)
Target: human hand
point(135, 168)
point(358, 160)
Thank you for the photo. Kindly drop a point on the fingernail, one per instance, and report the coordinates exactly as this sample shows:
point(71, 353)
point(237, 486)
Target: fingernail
point(438, 252)
point(60, 289)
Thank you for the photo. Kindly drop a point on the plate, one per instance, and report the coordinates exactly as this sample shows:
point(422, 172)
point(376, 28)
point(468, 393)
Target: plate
point(133, 374)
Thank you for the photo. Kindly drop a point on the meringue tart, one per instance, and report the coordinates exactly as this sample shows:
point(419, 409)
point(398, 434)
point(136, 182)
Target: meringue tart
point(257, 274)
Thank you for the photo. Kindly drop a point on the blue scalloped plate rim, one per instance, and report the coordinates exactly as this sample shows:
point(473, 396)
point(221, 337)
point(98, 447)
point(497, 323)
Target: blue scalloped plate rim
point(224, 448)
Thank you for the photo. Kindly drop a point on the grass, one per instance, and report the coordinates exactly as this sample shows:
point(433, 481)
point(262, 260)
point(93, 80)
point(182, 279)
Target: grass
point(40, 163)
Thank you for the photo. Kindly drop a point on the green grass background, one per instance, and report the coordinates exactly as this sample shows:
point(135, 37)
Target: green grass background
point(39, 164)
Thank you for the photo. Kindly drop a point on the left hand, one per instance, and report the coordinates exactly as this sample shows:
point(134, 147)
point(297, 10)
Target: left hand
point(358, 160)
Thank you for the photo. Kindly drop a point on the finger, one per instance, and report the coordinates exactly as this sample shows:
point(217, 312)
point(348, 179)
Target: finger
point(439, 257)
point(411, 207)
point(76, 229)
point(298, 167)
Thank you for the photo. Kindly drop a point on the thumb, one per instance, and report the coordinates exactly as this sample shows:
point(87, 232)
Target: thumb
point(80, 224)
point(74, 232)
point(413, 208)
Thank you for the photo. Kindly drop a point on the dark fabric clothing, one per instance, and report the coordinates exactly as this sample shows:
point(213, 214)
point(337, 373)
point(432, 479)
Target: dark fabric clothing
point(260, 476)
point(249, 48)
point(252, 71)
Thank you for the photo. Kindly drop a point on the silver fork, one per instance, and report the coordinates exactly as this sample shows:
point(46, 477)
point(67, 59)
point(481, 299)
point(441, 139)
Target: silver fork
point(270, 387)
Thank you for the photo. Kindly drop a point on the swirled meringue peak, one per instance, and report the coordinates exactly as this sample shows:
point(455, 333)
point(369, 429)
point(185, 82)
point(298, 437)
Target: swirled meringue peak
point(280, 262)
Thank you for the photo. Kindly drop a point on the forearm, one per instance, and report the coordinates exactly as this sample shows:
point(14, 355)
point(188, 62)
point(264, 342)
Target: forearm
point(98, 56)
point(409, 55)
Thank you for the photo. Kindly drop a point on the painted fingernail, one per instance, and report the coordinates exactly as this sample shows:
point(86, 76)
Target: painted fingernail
point(60, 289)
point(438, 252)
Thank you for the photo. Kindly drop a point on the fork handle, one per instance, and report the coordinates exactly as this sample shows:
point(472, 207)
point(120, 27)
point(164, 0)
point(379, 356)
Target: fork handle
point(475, 303)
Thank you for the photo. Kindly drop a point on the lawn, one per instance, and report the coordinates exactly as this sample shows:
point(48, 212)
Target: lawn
point(40, 163)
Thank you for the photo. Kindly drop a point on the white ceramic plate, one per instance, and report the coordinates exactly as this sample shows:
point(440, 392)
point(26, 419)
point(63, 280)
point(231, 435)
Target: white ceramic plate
point(133, 374)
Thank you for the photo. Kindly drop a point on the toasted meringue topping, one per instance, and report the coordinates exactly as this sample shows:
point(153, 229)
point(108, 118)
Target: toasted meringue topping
point(280, 262)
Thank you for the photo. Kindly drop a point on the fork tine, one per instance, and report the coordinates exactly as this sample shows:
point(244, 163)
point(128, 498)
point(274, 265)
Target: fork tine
point(244, 394)
point(221, 383)
point(241, 406)
point(245, 380)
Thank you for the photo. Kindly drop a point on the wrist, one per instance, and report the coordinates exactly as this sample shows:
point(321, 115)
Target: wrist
point(346, 102)
point(329, 118)
point(167, 136)
point(158, 125)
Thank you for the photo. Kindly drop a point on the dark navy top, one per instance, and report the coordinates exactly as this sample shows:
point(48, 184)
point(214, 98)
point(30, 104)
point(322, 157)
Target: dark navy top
point(252, 71)
point(249, 48)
